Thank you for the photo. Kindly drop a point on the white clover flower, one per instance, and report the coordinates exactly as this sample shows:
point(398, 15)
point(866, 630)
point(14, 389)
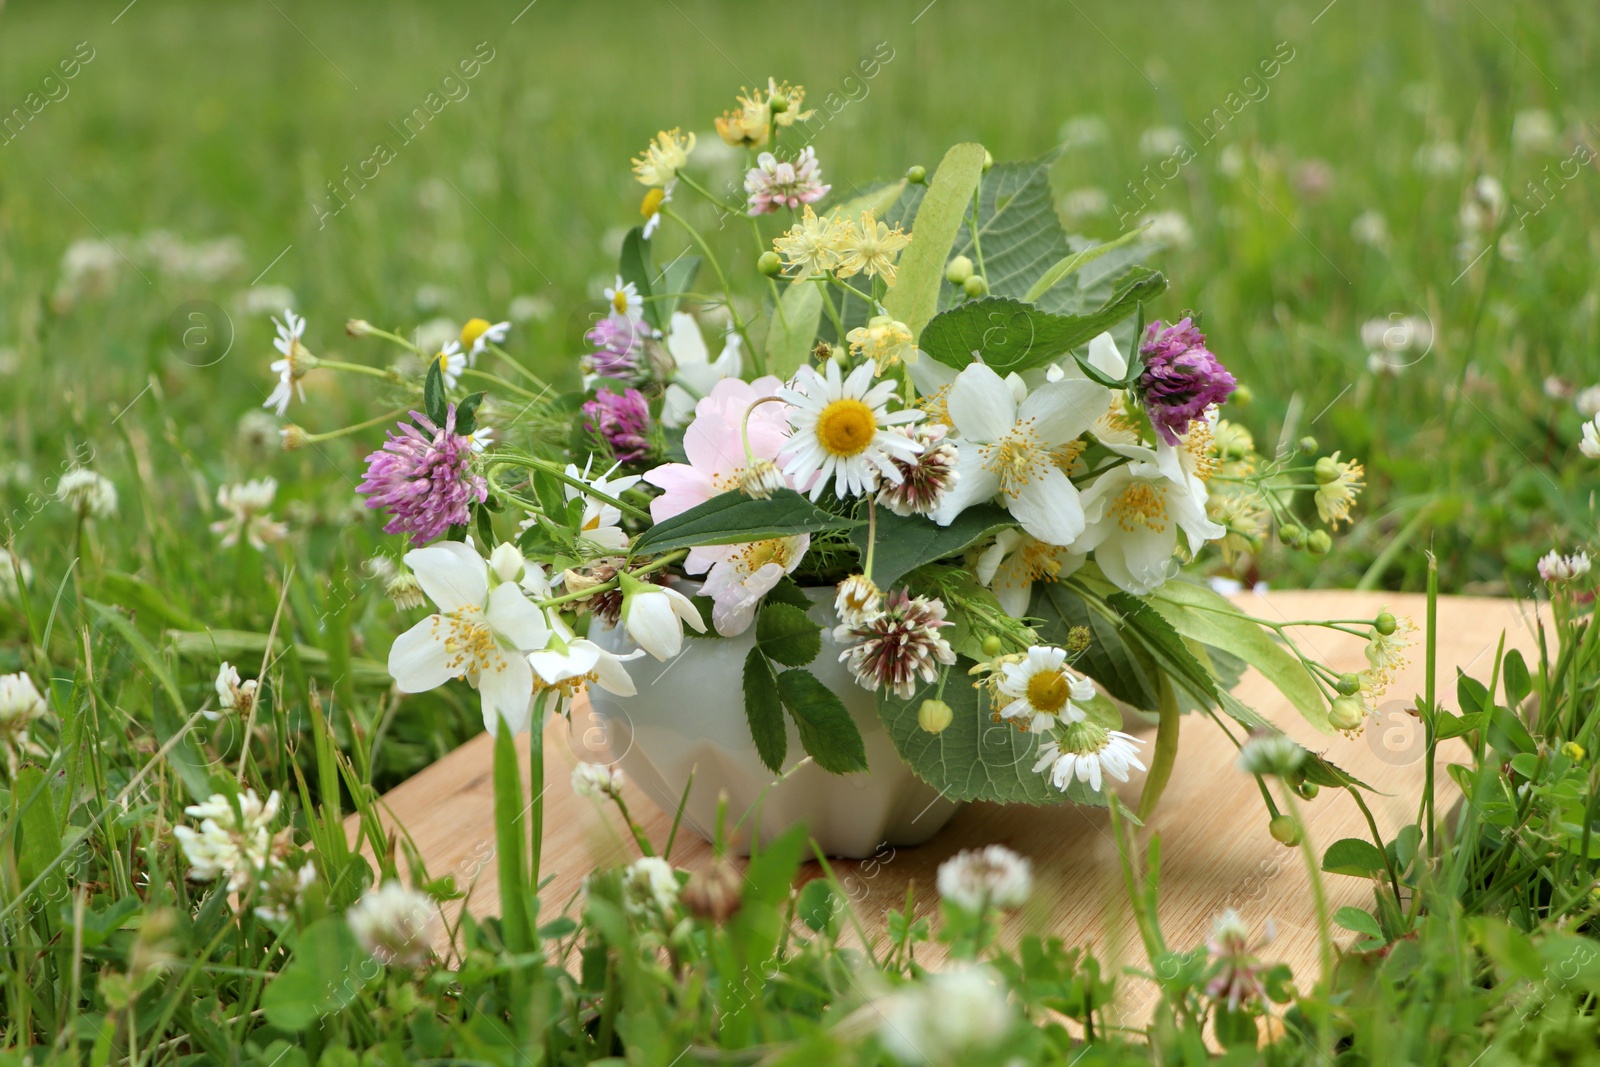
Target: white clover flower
point(654, 616)
point(87, 492)
point(392, 922)
point(988, 877)
point(1168, 228)
point(21, 705)
point(1590, 444)
point(857, 602)
point(650, 887)
point(1588, 402)
point(1555, 568)
point(236, 847)
point(264, 299)
point(597, 780)
point(1270, 752)
point(1535, 130)
point(281, 890)
point(1370, 228)
point(945, 1016)
point(16, 574)
point(233, 696)
point(246, 504)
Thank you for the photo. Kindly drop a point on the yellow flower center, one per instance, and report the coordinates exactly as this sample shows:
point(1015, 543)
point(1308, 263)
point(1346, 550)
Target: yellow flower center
point(1048, 692)
point(444, 361)
point(474, 329)
point(846, 427)
point(652, 202)
point(619, 300)
point(1016, 459)
point(1141, 504)
point(757, 554)
point(468, 642)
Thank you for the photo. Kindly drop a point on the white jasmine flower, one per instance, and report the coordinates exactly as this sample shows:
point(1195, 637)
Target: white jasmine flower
point(296, 361)
point(1016, 560)
point(654, 616)
point(234, 846)
point(1018, 449)
point(989, 877)
point(1555, 568)
point(1134, 513)
point(247, 504)
point(600, 519)
point(1042, 690)
point(480, 634)
point(597, 780)
point(842, 431)
point(946, 1016)
point(87, 492)
point(624, 299)
point(696, 373)
point(568, 664)
point(21, 705)
point(650, 888)
point(392, 922)
point(1085, 750)
point(234, 696)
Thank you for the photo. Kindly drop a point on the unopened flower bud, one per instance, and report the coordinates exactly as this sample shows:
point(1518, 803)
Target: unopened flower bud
point(1320, 542)
point(293, 438)
point(1285, 830)
point(934, 715)
point(1307, 444)
point(1573, 751)
point(769, 264)
point(958, 270)
point(1242, 395)
point(917, 175)
point(1349, 684)
point(358, 327)
point(713, 892)
point(1345, 713)
point(1326, 470)
point(975, 286)
point(1290, 534)
point(988, 161)
point(991, 645)
point(1308, 790)
point(777, 103)
point(1385, 623)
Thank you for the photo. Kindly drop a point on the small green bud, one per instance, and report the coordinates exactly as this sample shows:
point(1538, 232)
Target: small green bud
point(1385, 624)
point(1349, 684)
point(1308, 790)
point(1242, 396)
point(917, 175)
point(1319, 542)
point(1326, 470)
point(1308, 444)
point(988, 161)
point(1291, 535)
point(975, 286)
point(934, 715)
point(958, 270)
point(1285, 830)
point(769, 264)
point(991, 645)
point(778, 103)
point(1345, 713)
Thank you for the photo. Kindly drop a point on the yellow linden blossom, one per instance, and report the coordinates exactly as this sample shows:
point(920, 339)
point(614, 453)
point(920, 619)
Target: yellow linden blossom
point(787, 100)
point(1335, 498)
point(809, 245)
point(1386, 654)
point(869, 248)
point(883, 340)
point(663, 158)
point(1244, 518)
point(748, 125)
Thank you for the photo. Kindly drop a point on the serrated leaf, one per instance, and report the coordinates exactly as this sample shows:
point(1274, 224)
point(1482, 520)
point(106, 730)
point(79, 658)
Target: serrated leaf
point(733, 518)
point(1164, 645)
point(764, 711)
point(907, 542)
point(1073, 262)
point(787, 592)
point(1353, 856)
point(827, 731)
point(435, 401)
point(1019, 230)
point(786, 633)
point(1320, 772)
point(915, 296)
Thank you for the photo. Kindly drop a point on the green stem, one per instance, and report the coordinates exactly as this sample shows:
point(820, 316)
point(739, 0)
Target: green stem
point(722, 277)
point(655, 565)
point(331, 434)
point(559, 473)
point(1165, 755)
point(495, 379)
point(396, 338)
point(506, 357)
point(357, 368)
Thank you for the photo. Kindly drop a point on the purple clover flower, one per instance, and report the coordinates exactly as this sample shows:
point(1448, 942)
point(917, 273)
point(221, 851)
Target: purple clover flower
point(1181, 378)
point(619, 354)
point(623, 419)
point(774, 183)
point(423, 478)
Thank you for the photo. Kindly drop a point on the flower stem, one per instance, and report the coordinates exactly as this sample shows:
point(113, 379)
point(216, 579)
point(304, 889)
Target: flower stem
point(358, 368)
point(722, 278)
point(348, 430)
point(559, 473)
point(396, 338)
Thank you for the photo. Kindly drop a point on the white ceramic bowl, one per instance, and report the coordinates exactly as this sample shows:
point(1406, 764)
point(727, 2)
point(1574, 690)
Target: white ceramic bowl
point(689, 717)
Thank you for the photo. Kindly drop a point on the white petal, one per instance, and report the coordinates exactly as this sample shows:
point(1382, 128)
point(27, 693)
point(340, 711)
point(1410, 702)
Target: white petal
point(685, 609)
point(651, 621)
point(1049, 509)
point(1063, 410)
point(451, 573)
point(418, 659)
point(930, 376)
point(975, 484)
point(614, 677)
point(516, 619)
point(684, 340)
point(1014, 598)
point(981, 404)
point(1105, 357)
point(507, 694)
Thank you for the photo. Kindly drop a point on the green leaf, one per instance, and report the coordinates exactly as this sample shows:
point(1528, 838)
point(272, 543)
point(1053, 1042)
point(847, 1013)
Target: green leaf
point(794, 327)
point(1074, 262)
point(1199, 612)
point(1164, 646)
point(467, 414)
point(786, 633)
point(1507, 734)
point(509, 836)
point(1517, 682)
point(34, 822)
point(818, 906)
point(1018, 228)
point(1125, 671)
point(907, 542)
point(1353, 856)
point(733, 518)
point(634, 266)
point(827, 732)
point(1320, 772)
point(435, 401)
point(1012, 336)
point(915, 296)
point(1358, 921)
point(764, 711)
point(787, 592)
point(327, 972)
point(674, 280)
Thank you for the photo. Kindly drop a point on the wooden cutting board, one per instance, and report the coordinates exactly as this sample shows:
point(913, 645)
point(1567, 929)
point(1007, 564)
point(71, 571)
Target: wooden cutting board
point(1216, 849)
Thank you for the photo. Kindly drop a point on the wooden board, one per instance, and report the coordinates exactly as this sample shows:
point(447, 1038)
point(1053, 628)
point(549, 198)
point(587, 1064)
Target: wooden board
point(1216, 850)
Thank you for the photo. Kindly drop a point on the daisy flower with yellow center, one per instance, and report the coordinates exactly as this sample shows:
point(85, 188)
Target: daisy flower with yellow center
point(810, 245)
point(1042, 691)
point(650, 208)
point(663, 158)
point(478, 334)
point(869, 248)
point(842, 431)
point(1090, 753)
point(624, 299)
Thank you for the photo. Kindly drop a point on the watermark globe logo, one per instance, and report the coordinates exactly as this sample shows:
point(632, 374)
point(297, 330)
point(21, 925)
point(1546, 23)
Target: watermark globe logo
point(1396, 734)
point(1398, 336)
point(199, 333)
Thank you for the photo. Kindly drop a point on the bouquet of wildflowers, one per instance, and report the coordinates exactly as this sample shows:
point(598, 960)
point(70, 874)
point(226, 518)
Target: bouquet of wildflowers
point(929, 401)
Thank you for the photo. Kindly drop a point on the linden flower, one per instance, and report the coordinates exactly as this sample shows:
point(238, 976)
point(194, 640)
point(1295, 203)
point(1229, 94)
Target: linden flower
point(883, 340)
point(624, 299)
point(1042, 690)
point(1018, 449)
point(477, 335)
point(841, 431)
point(1016, 560)
point(1133, 515)
point(869, 248)
point(663, 158)
point(747, 126)
point(480, 634)
point(452, 361)
point(1386, 654)
point(1086, 751)
point(810, 246)
point(785, 102)
point(1336, 496)
point(294, 365)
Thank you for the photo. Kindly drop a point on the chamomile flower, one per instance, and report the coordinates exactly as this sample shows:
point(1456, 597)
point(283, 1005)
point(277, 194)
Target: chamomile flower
point(1088, 752)
point(842, 431)
point(294, 365)
point(869, 248)
point(663, 158)
point(650, 208)
point(624, 299)
point(452, 361)
point(478, 334)
point(1042, 690)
